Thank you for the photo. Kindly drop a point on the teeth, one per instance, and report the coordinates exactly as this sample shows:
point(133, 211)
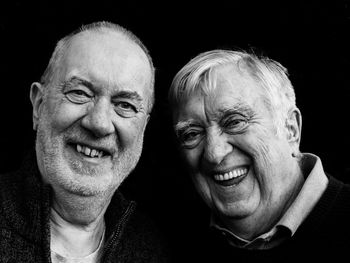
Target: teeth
point(226, 176)
point(232, 174)
point(89, 152)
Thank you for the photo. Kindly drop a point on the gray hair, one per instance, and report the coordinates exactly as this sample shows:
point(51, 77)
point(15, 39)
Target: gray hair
point(271, 75)
point(62, 45)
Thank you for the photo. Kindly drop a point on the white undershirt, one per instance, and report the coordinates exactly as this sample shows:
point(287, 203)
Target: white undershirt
point(61, 231)
point(94, 257)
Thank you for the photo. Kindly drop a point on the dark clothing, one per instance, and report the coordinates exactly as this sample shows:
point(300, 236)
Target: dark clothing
point(25, 228)
point(324, 235)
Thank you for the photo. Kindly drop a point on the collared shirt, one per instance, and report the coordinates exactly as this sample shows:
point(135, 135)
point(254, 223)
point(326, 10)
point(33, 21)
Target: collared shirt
point(314, 186)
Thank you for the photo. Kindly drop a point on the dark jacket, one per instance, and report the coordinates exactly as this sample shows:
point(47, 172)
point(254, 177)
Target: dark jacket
point(25, 229)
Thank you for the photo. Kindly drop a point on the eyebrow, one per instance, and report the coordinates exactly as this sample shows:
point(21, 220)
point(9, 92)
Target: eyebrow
point(132, 95)
point(76, 81)
point(182, 125)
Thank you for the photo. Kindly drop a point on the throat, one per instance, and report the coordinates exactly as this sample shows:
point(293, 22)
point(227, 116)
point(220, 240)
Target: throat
point(73, 240)
point(78, 210)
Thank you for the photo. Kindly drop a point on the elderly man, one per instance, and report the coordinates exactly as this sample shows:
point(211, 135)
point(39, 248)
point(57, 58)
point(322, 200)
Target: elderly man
point(90, 111)
point(239, 131)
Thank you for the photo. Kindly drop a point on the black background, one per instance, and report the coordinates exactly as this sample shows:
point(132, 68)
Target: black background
point(307, 37)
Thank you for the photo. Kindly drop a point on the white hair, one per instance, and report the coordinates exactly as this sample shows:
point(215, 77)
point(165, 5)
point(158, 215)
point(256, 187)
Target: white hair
point(269, 74)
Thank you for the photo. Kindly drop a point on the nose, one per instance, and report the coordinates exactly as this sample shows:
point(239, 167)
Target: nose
point(216, 148)
point(98, 119)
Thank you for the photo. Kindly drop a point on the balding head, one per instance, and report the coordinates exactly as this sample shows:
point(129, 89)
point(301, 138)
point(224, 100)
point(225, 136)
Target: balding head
point(101, 28)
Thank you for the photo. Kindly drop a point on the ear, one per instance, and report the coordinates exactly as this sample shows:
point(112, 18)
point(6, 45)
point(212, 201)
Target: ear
point(36, 97)
point(293, 125)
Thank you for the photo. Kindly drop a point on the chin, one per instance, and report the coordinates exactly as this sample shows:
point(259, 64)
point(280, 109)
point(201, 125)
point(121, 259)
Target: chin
point(82, 181)
point(236, 210)
point(88, 187)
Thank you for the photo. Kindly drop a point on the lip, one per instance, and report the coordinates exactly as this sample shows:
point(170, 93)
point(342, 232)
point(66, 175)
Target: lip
point(233, 181)
point(227, 170)
point(82, 157)
point(107, 150)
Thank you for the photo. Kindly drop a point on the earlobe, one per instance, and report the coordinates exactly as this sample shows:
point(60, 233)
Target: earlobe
point(293, 124)
point(36, 97)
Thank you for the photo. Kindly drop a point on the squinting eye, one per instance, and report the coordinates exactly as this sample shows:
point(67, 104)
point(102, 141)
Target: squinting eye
point(235, 125)
point(78, 96)
point(125, 109)
point(126, 106)
point(236, 122)
point(190, 139)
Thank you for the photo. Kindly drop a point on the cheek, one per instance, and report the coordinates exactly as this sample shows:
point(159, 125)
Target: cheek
point(130, 130)
point(192, 157)
point(270, 164)
point(202, 187)
point(259, 145)
point(264, 156)
point(63, 115)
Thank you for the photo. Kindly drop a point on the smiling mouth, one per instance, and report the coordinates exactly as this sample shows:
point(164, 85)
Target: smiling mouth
point(89, 151)
point(232, 177)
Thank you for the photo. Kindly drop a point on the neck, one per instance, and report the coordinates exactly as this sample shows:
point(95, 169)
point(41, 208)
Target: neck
point(77, 223)
point(74, 240)
point(82, 211)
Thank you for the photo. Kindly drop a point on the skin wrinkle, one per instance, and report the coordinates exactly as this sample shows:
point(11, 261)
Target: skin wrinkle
point(208, 81)
point(253, 206)
point(111, 79)
point(265, 152)
point(75, 81)
point(90, 112)
point(60, 131)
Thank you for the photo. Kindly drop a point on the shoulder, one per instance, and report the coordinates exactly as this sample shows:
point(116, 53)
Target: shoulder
point(10, 187)
point(17, 186)
point(21, 198)
point(337, 190)
point(143, 229)
point(141, 240)
point(331, 215)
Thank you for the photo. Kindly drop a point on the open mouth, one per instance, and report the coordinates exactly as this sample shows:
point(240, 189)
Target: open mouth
point(89, 151)
point(232, 177)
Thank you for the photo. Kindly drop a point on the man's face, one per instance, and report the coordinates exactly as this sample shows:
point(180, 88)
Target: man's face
point(92, 118)
point(239, 165)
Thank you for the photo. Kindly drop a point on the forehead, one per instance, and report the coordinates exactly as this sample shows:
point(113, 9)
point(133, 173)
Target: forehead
point(108, 58)
point(234, 84)
point(231, 88)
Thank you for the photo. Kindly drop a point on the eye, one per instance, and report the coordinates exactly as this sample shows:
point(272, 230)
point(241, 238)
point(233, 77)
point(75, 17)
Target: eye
point(126, 106)
point(78, 96)
point(125, 109)
point(235, 124)
point(190, 138)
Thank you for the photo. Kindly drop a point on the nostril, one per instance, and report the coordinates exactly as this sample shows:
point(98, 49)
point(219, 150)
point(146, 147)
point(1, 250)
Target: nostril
point(100, 124)
point(216, 151)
